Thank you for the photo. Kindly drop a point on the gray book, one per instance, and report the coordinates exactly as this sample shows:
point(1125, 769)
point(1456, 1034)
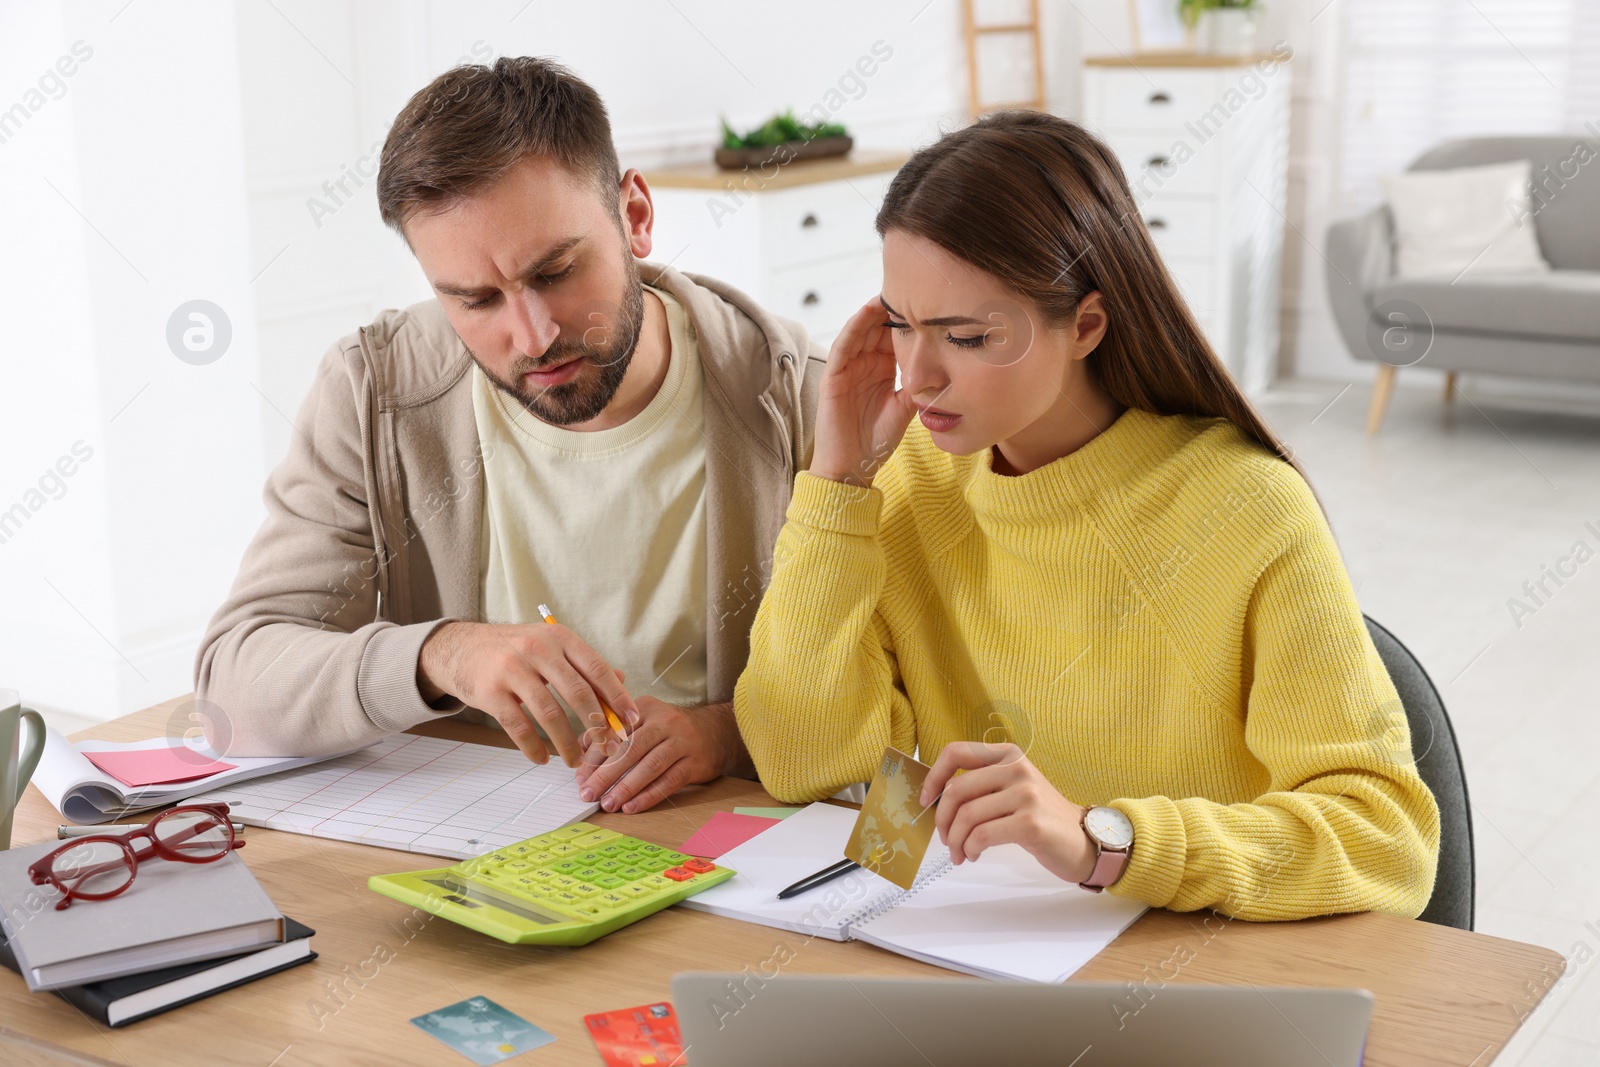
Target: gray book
point(172, 913)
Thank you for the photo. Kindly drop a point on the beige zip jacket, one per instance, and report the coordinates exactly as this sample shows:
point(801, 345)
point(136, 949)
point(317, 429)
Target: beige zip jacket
point(374, 523)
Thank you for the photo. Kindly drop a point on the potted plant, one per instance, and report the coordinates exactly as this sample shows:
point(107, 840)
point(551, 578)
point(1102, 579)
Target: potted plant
point(781, 139)
point(1224, 27)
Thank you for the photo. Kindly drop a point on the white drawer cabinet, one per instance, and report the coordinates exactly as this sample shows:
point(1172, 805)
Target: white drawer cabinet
point(800, 240)
point(1204, 144)
point(1151, 96)
point(1150, 151)
point(821, 296)
point(821, 221)
point(1182, 227)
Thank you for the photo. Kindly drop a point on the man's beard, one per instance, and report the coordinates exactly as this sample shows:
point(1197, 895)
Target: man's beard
point(586, 395)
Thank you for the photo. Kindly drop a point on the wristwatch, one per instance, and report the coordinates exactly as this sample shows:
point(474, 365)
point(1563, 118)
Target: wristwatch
point(1112, 833)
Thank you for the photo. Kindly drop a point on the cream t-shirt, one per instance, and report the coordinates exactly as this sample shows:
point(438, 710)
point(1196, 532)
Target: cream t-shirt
point(607, 528)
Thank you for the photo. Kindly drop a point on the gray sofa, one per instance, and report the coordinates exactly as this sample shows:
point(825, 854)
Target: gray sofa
point(1535, 325)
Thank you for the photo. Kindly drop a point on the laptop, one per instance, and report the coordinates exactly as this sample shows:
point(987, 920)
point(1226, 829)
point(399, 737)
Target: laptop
point(736, 1020)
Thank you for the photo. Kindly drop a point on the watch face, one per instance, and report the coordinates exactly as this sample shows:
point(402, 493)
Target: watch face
point(1110, 827)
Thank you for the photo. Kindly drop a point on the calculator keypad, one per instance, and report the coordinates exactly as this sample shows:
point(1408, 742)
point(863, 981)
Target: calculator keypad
point(586, 872)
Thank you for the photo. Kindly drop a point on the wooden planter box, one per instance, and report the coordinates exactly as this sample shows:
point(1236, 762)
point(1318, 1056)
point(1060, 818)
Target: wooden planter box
point(788, 152)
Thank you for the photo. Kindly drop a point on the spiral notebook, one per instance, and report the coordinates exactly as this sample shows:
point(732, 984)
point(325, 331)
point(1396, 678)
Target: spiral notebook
point(1003, 916)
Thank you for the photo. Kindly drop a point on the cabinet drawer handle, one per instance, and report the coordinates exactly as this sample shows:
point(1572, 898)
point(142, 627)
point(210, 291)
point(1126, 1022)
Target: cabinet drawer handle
point(1159, 161)
point(1156, 223)
point(808, 222)
point(1160, 97)
point(811, 298)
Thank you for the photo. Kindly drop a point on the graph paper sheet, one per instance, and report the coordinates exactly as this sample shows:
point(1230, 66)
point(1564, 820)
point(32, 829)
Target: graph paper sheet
point(417, 794)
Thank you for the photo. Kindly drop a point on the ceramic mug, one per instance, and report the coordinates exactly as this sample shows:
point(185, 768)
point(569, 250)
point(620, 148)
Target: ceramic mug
point(15, 772)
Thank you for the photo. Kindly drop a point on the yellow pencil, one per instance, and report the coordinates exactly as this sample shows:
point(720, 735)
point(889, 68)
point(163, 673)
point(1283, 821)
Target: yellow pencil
point(611, 716)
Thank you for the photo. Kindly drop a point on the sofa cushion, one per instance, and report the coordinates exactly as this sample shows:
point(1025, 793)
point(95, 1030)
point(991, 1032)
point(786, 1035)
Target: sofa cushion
point(1560, 303)
point(1566, 188)
point(1463, 222)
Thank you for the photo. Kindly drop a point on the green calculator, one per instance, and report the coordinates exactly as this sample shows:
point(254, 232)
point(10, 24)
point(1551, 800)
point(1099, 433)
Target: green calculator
point(566, 887)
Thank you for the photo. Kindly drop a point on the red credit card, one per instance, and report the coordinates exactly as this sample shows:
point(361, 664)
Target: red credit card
point(646, 1036)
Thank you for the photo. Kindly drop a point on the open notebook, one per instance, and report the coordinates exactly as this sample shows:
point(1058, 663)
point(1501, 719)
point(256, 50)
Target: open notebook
point(1003, 916)
point(85, 794)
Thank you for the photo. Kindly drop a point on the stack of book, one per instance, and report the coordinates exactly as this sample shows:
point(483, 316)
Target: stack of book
point(180, 932)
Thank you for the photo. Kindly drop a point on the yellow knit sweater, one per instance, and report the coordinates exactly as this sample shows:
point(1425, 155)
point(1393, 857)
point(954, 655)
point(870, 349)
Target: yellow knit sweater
point(1161, 620)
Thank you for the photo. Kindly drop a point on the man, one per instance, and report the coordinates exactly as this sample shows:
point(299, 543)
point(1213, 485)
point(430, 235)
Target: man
point(563, 425)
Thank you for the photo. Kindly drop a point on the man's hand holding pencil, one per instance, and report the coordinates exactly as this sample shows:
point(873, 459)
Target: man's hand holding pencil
point(502, 669)
point(634, 753)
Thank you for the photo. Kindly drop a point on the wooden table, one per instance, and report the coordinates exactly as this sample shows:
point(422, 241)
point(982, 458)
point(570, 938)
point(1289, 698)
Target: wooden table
point(1443, 996)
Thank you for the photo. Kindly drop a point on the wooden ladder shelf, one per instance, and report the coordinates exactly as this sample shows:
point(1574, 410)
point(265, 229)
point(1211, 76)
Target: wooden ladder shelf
point(974, 30)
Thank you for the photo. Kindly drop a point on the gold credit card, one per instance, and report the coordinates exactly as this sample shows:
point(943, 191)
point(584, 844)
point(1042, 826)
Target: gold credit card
point(893, 830)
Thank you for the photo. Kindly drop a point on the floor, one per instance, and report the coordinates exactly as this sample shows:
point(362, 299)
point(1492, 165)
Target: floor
point(1442, 518)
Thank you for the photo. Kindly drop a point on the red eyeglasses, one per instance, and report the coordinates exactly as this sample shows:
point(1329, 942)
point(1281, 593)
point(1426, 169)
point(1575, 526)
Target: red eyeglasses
point(100, 867)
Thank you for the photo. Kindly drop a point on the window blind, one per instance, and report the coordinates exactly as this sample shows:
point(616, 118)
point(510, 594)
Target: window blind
point(1418, 72)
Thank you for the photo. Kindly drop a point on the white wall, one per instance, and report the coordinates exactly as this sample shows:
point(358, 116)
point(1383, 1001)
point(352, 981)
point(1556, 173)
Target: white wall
point(124, 201)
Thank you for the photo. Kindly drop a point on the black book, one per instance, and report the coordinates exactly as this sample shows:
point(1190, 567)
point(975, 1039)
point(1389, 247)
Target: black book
point(120, 1001)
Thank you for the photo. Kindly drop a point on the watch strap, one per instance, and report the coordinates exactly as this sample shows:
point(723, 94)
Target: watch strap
point(1108, 867)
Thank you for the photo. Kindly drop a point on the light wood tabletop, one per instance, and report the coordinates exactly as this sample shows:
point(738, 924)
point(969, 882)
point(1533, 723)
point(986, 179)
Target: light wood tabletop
point(1443, 996)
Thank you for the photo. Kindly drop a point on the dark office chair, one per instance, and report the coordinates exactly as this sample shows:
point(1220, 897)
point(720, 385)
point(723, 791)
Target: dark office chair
point(1439, 763)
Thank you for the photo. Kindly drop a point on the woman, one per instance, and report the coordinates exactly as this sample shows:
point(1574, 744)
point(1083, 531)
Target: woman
point(1088, 575)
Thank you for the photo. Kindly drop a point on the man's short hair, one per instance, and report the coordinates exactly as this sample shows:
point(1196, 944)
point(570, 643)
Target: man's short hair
point(473, 123)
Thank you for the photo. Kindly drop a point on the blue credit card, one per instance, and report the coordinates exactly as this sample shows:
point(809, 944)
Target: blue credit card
point(482, 1030)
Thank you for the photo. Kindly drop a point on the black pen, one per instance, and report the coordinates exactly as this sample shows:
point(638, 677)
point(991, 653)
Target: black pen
point(811, 881)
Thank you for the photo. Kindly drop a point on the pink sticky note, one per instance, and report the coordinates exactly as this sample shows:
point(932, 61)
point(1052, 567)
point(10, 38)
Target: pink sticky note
point(156, 766)
point(724, 831)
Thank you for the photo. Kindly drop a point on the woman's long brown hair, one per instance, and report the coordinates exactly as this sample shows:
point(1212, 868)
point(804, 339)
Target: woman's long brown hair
point(1041, 204)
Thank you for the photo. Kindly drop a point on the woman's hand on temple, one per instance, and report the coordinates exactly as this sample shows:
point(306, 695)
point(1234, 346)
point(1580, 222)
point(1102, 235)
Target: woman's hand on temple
point(1004, 799)
point(861, 416)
